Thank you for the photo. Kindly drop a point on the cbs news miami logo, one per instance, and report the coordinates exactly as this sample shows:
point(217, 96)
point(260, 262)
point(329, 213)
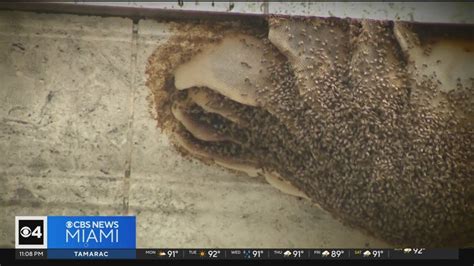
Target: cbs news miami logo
point(75, 232)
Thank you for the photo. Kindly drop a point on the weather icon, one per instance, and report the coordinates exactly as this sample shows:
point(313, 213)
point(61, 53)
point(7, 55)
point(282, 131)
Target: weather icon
point(325, 253)
point(247, 254)
point(366, 253)
point(406, 250)
point(287, 253)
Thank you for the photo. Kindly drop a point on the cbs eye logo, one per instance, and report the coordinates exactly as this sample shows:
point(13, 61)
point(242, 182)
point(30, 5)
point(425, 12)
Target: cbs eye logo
point(30, 232)
point(29, 236)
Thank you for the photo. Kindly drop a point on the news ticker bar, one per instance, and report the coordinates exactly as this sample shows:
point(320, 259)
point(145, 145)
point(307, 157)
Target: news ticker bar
point(241, 254)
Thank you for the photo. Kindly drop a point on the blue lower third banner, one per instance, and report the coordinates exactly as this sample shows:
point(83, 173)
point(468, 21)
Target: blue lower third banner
point(91, 237)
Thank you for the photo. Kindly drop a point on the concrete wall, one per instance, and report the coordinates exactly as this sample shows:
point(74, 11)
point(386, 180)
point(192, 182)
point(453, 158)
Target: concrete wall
point(77, 138)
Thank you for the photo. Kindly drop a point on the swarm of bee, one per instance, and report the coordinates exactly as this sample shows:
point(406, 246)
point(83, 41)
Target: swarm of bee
point(371, 120)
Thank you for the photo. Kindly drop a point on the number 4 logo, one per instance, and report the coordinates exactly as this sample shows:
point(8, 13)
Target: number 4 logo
point(37, 232)
point(31, 232)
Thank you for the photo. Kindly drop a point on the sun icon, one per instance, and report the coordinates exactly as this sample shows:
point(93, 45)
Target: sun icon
point(202, 253)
